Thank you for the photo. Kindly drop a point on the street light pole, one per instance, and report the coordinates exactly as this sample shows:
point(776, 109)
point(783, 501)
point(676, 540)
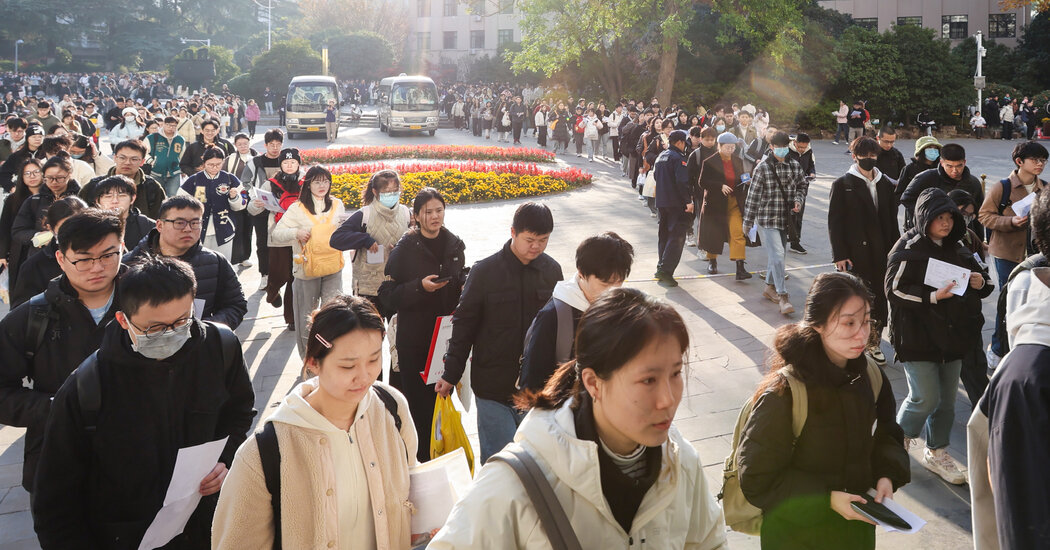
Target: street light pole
point(269, 19)
point(979, 77)
point(17, 43)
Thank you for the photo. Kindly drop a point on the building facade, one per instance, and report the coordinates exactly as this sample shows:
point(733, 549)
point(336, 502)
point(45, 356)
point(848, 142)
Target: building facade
point(454, 32)
point(951, 19)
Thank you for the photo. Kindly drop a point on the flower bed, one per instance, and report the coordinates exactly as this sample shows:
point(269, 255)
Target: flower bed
point(519, 168)
point(458, 186)
point(453, 152)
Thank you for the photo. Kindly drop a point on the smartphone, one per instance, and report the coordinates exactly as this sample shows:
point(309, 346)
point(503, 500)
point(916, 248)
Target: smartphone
point(880, 514)
point(442, 280)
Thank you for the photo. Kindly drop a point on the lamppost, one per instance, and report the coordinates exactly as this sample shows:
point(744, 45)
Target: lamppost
point(978, 79)
point(269, 19)
point(17, 43)
point(205, 41)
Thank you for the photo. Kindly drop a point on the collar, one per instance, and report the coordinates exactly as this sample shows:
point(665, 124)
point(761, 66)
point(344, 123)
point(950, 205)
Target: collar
point(1015, 181)
point(853, 170)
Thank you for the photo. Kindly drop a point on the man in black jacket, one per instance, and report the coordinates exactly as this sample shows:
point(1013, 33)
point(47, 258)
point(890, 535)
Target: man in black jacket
point(951, 173)
point(161, 381)
point(45, 343)
point(220, 297)
point(629, 138)
point(890, 161)
point(193, 158)
point(500, 298)
point(129, 157)
point(674, 199)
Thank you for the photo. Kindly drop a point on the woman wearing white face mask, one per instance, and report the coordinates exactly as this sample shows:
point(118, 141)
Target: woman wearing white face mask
point(601, 433)
point(373, 231)
point(317, 268)
point(129, 128)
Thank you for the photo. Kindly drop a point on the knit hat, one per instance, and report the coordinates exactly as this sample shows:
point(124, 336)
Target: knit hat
point(129, 111)
point(924, 142)
point(677, 135)
point(728, 137)
point(35, 130)
point(291, 154)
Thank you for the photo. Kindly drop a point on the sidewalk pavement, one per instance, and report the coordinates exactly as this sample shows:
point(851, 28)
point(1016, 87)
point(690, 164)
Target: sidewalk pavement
point(730, 325)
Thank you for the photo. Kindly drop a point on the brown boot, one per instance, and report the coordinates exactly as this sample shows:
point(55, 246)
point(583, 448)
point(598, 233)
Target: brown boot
point(771, 294)
point(785, 306)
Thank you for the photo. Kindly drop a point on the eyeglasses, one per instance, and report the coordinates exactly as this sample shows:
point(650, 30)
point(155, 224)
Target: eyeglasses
point(86, 264)
point(114, 195)
point(122, 158)
point(31, 173)
point(56, 179)
point(159, 329)
point(1038, 161)
point(182, 224)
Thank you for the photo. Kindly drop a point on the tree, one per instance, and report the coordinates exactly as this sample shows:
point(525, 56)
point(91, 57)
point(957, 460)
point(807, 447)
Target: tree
point(924, 58)
point(360, 55)
point(320, 20)
point(285, 60)
point(1041, 6)
point(872, 71)
point(1034, 53)
point(770, 27)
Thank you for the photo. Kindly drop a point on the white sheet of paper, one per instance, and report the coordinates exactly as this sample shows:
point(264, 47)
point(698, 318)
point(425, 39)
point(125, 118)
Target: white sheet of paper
point(940, 273)
point(191, 466)
point(198, 308)
point(435, 487)
point(375, 257)
point(907, 515)
point(1023, 206)
point(753, 234)
point(270, 202)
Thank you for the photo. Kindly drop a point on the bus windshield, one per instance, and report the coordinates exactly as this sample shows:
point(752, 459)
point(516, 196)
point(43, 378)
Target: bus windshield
point(309, 98)
point(413, 97)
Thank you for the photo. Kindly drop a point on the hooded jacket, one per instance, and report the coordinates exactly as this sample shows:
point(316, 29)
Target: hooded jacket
point(678, 510)
point(103, 489)
point(69, 338)
point(339, 489)
point(1017, 408)
point(217, 283)
point(539, 361)
point(921, 327)
point(36, 274)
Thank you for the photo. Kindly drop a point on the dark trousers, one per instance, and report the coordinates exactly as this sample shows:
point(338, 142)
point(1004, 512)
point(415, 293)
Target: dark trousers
point(795, 219)
point(674, 222)
point(632, 171)
point(420, 396)
point(516, 129)
point(1003, 268)
point(476, 126)
point(242, 241)
point(251, 127)
point(974, 373)
point(578, 140)
point(541, 140)
point(1008, 130)
point(616, 147)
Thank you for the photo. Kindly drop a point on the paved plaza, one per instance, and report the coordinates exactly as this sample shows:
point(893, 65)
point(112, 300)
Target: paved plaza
point(730, 324)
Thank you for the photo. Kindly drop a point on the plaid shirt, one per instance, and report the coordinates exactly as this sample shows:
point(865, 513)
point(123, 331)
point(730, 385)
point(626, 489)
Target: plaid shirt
point(770, 200)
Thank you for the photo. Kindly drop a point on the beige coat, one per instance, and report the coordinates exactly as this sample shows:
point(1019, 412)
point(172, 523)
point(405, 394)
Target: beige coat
point(1007, 242)
point(338, 489)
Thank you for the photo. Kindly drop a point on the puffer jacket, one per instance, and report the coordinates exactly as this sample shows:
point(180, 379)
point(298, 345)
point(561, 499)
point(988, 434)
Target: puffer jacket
point(922, 328)
point(217, 283)
point(678, 510)
point(324, 478)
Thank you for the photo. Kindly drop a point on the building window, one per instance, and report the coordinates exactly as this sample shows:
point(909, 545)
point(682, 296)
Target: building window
point(870, 23)
point(506, 6)
point(450, 40)
point(905, 21)
point(450, 8)
point(422, 8)
point(477, 7)
point(955, 26)
point(477, 40)
point(506, 36)
point(1002, 25)
point(422, 41)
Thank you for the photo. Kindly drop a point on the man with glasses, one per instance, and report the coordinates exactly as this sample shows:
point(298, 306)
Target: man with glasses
point(117, 195)
point(219, 297)
point(162, 380)
point(16, 136)
point(129, 156)
point(890, 161)
point(46, 338)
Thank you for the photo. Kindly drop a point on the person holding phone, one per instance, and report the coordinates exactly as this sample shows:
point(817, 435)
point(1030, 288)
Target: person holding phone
point(862, 225)
point(850, 441)
point(425, 275)
point(220, 192)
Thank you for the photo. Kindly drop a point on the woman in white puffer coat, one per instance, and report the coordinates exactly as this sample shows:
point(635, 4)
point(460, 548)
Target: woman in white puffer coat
point(601, 433)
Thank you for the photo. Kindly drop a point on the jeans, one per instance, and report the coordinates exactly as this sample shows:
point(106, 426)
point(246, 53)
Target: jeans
point(842, 129)
point(497, 423)
point(932, 387)
point(674, 222)
point(603, 144)
point(774, 241)
point(594, 149)
point(1002, 273)
point(171, 184)
point(269, 107)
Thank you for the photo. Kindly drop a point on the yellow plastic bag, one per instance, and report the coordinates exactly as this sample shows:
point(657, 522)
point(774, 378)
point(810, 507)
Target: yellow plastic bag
point(447, 433)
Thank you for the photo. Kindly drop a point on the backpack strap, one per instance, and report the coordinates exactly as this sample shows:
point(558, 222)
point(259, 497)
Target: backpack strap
point(874, 376)
point(89, 391)
point(389, 403)
point(228, 342)
point(799, 402)
point(39, 315)
point(270, 459)
point(563, 342)
point(1004, 199)
point(552, 515)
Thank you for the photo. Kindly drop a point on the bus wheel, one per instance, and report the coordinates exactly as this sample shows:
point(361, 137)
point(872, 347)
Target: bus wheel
point(432, 132)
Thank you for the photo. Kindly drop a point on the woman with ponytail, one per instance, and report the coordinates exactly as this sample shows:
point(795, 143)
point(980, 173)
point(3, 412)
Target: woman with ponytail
point(850, 442)
point(601, 432)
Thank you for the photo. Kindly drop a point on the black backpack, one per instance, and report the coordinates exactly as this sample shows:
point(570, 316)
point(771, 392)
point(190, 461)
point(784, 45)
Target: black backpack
point(41, 314)
point(270, 458)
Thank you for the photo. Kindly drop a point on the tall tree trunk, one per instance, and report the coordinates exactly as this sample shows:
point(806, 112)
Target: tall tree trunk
point(668, 59)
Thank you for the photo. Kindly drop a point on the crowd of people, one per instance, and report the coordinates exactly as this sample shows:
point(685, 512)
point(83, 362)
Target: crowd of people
point(124, 293)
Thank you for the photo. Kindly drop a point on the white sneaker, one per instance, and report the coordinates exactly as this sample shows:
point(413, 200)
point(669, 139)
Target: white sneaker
point(690, 240)
point(262, 283)
point(993, 359)
point(941, 463)
point(911, 443)
point(247, 263)
point(702, 254)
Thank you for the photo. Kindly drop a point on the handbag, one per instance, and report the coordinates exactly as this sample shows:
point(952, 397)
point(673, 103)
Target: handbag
point(506, 119)
point(649, 188)
point(447, 433)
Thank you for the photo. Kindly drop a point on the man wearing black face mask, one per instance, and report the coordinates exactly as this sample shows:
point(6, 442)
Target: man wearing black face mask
point(862, 224)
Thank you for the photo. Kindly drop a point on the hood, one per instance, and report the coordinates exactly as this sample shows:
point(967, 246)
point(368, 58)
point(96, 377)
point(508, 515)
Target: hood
point(932, 203)
point(853, 170)
point(294, 410)
point(571, 293)
point(1030, 322)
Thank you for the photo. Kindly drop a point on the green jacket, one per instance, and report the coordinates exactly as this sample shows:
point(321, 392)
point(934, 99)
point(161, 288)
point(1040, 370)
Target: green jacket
point(165, 154)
